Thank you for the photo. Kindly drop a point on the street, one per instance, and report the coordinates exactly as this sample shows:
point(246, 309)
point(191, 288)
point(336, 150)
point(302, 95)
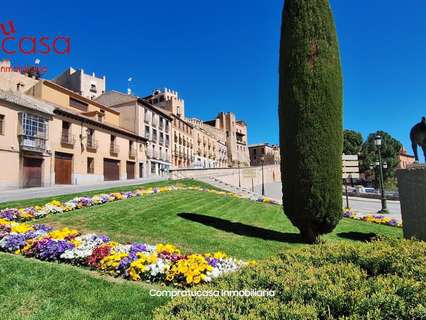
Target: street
point(362, 206)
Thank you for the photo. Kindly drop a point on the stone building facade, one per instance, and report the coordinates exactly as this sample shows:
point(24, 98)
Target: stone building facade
point(146, 120)
point(270, 154)
point(51, 135)
point(236, 138)
point(86, 85)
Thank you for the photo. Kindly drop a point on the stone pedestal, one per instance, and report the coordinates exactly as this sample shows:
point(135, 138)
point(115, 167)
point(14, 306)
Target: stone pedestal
point(412, 194)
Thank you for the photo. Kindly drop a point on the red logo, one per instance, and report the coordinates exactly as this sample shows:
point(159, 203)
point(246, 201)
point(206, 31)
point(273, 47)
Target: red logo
point(11, 44)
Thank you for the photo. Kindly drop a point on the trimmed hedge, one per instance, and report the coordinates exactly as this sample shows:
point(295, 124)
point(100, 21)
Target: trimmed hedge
point(384, 279)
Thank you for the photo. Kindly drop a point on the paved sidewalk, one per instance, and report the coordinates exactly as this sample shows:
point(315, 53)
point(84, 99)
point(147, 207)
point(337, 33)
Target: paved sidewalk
point(31, 193)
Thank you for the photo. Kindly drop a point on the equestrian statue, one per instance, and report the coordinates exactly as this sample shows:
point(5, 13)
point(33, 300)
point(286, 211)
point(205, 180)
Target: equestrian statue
point(418, 138)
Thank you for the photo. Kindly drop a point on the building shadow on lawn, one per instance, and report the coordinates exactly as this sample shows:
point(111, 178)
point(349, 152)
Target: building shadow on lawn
point(242, 229)
point(358, 236)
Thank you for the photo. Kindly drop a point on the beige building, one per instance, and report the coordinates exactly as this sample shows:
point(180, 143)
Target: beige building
point(24, 150)
point(11, 80)
point(236, 138)
point(182, 143)
point(143, 119)
point(405, 160)
point(169, 100)
point(86, 85)
point(86, 141)
point(266, 153)
point(208, 144)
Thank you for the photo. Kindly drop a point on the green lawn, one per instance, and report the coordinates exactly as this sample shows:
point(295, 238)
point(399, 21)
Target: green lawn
point(31, 289)
point(202, 222)
point(195, 221)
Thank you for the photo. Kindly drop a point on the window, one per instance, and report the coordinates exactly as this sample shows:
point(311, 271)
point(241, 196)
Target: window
point(167, 140)
point(93, 88)
point(1, 124)
point(101, 116)
point(147, 132)
point(147, 115)
point(66, 134)
point(34, 126)
point(154, 135)
point(161, 138)
point(90, 165)
point(91, 143)
point(78, 104)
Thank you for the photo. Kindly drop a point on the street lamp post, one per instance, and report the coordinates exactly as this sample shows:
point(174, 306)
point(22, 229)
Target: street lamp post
point(239, 175)
point(262, 159)
point(378, 143)
point(346, 190)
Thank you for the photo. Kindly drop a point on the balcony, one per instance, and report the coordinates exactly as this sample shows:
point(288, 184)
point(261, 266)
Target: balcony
point(114, 149)
point(132, 153)
point(67, 139)
point(91, 145)
point(31, 143)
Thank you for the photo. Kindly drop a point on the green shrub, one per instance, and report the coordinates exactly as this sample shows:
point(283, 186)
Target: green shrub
point(384, 279)
point(311, 131)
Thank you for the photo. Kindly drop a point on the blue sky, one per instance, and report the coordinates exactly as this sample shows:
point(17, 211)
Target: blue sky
point(223, 55)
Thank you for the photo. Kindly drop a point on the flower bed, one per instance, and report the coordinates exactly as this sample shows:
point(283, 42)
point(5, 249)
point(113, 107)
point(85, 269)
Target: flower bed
point(55, 206)
point(136, 261)
point(374, 218)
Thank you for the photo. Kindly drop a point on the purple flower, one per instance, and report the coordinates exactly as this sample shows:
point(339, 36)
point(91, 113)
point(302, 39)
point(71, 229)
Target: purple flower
point(13, 242)
point(104, 238)
point(42, 227)
point(212, 261)
point(9, 214)
point(379, 217)
point(50, 249)
point(134, 249)
point(128, 194)
point(393, 222)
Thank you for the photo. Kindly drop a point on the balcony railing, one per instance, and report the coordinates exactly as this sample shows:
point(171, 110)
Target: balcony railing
point(114, 149)
point(67, 139)
point(31, 143)
point(92, 144)
point(132, 153)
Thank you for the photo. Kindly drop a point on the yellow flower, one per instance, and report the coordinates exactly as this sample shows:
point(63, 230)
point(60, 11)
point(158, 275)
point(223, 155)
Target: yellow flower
point(56, 203)
point(4, 221)
point(169, 248)
point(111, 262)
point(21, 228)
point(191, 270)
point(63, 233)
point(138, 266)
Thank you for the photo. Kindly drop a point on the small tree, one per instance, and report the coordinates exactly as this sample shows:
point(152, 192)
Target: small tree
point(310, 107)
point(352, 142)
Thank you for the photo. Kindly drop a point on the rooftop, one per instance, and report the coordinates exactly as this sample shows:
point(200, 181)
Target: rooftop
point(26, 101)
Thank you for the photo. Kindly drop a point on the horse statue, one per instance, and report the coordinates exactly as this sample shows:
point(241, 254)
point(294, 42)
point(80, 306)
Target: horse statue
point(418, 138)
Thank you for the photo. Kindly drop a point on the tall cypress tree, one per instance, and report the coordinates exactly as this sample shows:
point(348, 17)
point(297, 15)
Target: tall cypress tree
point(310, 109)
